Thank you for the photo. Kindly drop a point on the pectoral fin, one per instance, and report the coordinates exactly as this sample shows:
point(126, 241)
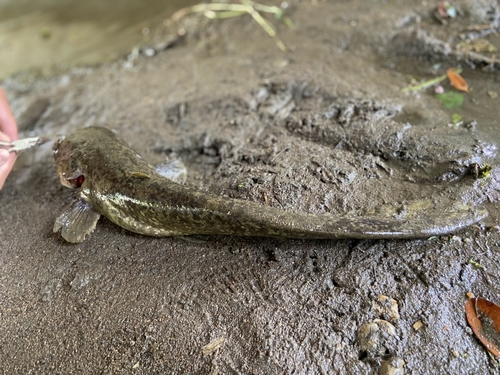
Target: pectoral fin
point(77, 221)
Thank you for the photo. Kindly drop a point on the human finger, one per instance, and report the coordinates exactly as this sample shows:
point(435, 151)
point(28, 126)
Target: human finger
point(7, 166)
point(7, 121)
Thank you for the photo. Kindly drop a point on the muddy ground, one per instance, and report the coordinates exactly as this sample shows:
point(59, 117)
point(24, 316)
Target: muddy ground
point(322, 128)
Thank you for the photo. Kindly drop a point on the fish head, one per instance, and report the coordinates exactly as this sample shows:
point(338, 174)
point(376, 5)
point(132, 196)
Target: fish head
point(67, 157)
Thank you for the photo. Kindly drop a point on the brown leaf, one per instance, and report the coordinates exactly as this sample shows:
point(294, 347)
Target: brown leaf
point(484, 318)
point(456, 80)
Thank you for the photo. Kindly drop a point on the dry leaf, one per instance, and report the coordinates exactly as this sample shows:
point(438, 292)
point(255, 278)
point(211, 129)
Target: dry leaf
point(456, 80)
point(484, 318)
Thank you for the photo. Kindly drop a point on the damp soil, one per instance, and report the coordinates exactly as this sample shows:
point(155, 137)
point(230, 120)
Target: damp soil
point(323, 128)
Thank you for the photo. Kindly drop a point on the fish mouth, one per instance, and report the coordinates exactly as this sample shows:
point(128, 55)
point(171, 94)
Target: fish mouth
point(72, 183)
point(77, 182)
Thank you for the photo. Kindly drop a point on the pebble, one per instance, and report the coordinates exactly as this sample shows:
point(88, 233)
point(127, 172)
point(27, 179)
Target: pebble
point(392, 366)
point(377, 337)
point(387, 307)
point(417, 325)
point(148, 51)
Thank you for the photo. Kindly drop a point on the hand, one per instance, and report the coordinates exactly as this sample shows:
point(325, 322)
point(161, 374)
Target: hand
point(8, 132)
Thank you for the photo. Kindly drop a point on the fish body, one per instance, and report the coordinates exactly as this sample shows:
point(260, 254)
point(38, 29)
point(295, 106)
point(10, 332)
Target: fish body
point(113, 180)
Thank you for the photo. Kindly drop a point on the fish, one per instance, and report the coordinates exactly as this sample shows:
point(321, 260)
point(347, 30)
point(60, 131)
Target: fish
point(114, 181)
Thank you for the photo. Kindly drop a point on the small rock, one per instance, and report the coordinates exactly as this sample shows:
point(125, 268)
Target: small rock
point(392, 366)
point(376, 338)
point(387, 307)
point(439, 89)
point(128, 64)
point(417, 325)
point(148, 51)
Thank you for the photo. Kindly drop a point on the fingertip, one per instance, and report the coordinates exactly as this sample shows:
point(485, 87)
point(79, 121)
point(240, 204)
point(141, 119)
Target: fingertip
point(4, 137)
point(4, 156)
point(8, 123)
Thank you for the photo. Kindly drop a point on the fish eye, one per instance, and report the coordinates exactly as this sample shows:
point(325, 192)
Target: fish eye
point(57, 142)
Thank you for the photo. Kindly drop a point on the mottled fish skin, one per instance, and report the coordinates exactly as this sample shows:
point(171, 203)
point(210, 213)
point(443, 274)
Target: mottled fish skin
point(114, 181)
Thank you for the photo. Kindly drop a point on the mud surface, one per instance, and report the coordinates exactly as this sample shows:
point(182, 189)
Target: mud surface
point(323, 128)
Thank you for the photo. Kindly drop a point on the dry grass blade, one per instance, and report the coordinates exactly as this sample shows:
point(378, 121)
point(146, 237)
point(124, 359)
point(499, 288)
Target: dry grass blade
point(220, 10)
point(213, 346)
